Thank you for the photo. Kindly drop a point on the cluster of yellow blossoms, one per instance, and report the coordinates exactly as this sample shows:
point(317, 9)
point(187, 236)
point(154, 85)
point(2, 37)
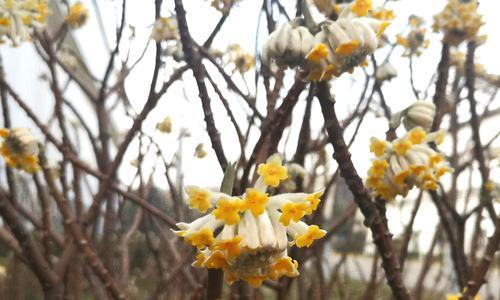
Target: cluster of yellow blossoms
point(414, 41)
point(253, 229)
point(77, 15)
point(241, 60)
point(18, 18)
point(224, 6)
point(331, 49)
point(459, 21)
point(165, 29)
point(457, 59)
point(405, 163)
point(20, 149)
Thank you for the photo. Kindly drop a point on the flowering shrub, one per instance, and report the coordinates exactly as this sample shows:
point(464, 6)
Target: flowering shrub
point(254, 228)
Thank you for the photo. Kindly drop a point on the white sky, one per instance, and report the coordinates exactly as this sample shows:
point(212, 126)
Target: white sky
point(23, 70)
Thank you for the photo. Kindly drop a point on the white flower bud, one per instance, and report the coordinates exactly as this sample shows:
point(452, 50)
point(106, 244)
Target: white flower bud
point(385, 71)
point(288, 45)
point(420, 113)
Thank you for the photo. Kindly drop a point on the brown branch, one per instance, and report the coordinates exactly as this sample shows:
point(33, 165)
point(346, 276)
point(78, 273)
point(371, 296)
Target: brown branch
point(373, 220)
point(82, 242)
point(199, 72)
point(50, 282)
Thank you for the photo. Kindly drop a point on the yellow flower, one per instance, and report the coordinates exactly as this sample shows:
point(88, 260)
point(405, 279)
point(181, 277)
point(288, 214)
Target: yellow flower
point(383, 14)
point(255, 281)
point(435, 159)
point(416, 170)
point(198, 199)
point(417, 135)
point(199, 152)
point(4, 22)
point(228, 210)
point(441, 171)
point(165, 126)
point(255, 202)
point(232, 246)
point(293, 211)
point(200, 258)
point(382, 27)
point(216, 261)
point(402, 41)
point(284, 266)
point(200, 239)
point(402, 146)
point(373, 181)
point(313, 233)
point(314, 200)
point(77, 15)
point(361, 7)
point(272, 172)
point(318, 53)
point(489, 185)
point(378, 146)
point(378, 168)
point(347, 48)
point(400, 177)
point(20, 149)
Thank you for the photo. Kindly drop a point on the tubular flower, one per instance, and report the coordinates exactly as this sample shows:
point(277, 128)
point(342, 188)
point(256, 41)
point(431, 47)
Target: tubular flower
point(289, 45)
point(419, 114)
point(18, 19)
point(361, 7)
point(459, 21)
point(199, 152)
point(20, 149)
point(253, 231)
point(77, 15)
point(414, 41)
point(241, 60)
point(382, 14)
point(338, 47)
point(329, 8)
point(385, 72)
point(272, 171)
point(405, 163)
point(378, 146)
point(165, 126)
point(224, 6)
point(165, 29)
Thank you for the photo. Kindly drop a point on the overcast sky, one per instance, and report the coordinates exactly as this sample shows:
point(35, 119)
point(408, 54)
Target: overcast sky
point(182, 103)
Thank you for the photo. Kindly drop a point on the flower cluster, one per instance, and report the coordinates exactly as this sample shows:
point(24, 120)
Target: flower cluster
point(329, 8)
point(459, 21)
point(419, 114)
point(253, 228)
point(330, 49)
point(20, 149)
point(457, 60)
point(414, 41)
point(18, 18)
point(224, 6)
point(241, 60)
point(165, 29)
point(405, 163)
point(77, 15)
